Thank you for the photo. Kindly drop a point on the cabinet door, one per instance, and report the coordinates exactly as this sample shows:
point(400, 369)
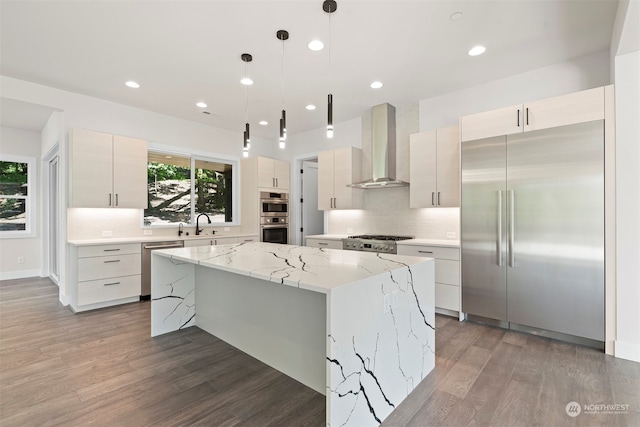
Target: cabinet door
point(91, 169)
point(281, 174)
point(129, 172)
point(503, 121)
point(422, 169)
point(266, 176)
point(448, 167)
point(578, 107)
point(325, 180)
point(346, 170)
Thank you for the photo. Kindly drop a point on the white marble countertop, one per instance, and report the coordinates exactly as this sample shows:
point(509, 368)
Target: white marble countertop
point(145, 239)
point(430, 242)
point(316, 269)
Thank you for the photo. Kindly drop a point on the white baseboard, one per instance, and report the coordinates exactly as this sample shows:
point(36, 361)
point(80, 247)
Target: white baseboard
point(20, 274)
point(628, 350)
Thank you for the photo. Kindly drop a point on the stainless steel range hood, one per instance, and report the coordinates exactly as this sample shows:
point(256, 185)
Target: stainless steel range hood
point(383, 155)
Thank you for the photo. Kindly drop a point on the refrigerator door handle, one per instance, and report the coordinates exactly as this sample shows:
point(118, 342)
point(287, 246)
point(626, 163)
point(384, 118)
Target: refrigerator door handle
point(512, 203)
point(499, 241)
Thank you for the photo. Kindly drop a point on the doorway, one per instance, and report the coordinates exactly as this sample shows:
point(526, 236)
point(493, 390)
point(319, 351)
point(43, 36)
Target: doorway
point(311, 219)
point(53, 211)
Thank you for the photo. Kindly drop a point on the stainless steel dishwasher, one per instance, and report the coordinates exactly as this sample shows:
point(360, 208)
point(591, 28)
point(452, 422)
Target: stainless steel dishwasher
point(146, 263)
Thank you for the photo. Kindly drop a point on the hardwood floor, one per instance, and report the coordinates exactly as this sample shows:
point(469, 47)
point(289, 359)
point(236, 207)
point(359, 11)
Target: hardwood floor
point(102, 368)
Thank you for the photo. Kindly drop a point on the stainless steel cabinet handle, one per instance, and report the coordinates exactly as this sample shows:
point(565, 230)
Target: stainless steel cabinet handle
point(116, 199)
point(433, 195)
point(425, 252)
point(322, 244)
point(111, 284)
point(518, 117)
point(527, 122)
point(499, 240)
point(512, 204)
point(438, 198)
point(113, 260)
point(277, 182)
point(109, 199)
point(111, 250)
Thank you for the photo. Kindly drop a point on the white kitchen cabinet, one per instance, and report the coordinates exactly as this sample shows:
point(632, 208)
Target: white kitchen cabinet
point(336, 170)
point(324, 243)
point(578, 107)
point(447, 274)
point(273, 173)
point(434, 168)
point(104, 275)
point(107, 171)
point(209, 241)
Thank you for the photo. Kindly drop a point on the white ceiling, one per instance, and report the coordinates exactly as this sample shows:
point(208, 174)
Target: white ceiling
point(185, 51)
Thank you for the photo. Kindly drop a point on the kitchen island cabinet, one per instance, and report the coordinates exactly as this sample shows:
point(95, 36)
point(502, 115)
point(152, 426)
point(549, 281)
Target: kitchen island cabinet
point(355, 326)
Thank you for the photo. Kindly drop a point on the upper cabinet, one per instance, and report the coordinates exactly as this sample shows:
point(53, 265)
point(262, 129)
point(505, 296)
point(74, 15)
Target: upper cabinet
point(107, 170)
point(273, 173)
point(434, 164)
point(562, 110)
point(336, 170)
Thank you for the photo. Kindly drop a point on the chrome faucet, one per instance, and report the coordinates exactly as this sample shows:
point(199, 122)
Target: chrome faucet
point(180, 228)
point(198, 230)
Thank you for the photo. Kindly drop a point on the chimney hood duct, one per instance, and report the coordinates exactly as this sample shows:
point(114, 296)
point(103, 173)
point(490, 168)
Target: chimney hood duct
point(383, 155)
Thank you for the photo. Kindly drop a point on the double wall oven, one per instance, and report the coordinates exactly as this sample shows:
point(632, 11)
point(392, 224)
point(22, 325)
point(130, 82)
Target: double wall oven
point(274, 217)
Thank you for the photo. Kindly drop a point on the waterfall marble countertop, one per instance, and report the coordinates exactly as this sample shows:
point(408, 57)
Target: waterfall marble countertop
point(315, 269)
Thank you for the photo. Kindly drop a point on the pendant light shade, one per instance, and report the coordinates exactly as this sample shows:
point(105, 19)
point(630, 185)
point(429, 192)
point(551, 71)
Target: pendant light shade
point(282, 35)
point(329, 6)
point(246, 145)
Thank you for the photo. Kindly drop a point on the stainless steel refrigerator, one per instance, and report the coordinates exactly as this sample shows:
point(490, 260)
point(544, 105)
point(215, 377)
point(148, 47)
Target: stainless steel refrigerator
point(532, 229)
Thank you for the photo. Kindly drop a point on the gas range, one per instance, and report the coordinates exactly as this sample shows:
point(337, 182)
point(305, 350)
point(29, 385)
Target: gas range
point(373, 243)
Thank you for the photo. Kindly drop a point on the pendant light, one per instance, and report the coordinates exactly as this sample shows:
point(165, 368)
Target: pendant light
point(329, 6)
point(282, 35)
point(247, 136)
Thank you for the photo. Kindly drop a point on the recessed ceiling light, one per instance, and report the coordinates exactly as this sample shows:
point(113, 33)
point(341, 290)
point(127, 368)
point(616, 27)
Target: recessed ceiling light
point(477, 50)
point(376, 85)
point(201, 104)
point(310, 107)
point(263, 122)
point(246, 81)
point(315, 45)
point(132, 84)
point(455, 16)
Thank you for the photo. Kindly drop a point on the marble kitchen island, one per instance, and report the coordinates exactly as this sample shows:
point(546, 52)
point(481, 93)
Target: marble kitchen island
point(357, 327)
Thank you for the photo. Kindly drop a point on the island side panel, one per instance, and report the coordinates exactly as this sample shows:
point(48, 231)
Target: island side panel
point(281, 325)
point(172, 294)
point(381, 343)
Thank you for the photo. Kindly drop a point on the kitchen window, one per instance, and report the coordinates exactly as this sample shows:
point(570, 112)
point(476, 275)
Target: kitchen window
point(181, 186)
point(17, 175)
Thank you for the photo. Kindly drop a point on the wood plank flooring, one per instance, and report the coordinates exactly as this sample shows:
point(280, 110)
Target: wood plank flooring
point(102, 368)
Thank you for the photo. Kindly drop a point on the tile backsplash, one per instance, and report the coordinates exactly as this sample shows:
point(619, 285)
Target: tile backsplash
point(386, 211)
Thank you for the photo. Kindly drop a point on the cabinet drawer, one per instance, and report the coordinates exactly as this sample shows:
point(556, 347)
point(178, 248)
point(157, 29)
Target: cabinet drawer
point(104, 267)
point(105, 250)
point(96, 291)
point(448, 272)
point(247, 239)
point(430, 251)
point(327, 244)
point(448, 297)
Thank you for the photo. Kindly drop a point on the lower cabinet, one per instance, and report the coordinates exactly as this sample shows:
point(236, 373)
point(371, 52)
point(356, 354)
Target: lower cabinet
point(324, 243)
point(447, 272)
point(104, 275)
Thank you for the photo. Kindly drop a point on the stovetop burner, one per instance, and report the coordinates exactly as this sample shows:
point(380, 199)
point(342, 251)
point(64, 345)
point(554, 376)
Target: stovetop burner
point(379, 237)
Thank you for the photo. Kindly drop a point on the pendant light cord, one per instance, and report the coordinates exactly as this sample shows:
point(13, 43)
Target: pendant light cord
point(282, 73)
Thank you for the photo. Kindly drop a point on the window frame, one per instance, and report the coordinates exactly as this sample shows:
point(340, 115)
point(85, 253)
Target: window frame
point(30, 198)
point(194, 155)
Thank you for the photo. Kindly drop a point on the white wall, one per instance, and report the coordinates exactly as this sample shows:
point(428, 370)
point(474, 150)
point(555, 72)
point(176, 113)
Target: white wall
point(23, 143)
point(581, 73)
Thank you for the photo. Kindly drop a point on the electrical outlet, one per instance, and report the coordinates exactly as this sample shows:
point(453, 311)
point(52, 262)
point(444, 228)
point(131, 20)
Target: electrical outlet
point(148, 232)
point(387, 303)
point(451, 234)
point(107, 234)
point(20, 260)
